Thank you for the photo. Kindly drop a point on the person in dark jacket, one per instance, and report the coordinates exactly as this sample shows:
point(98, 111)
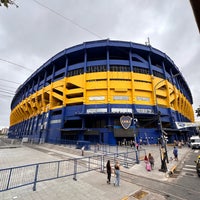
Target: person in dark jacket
point(151, 160)
point(109, 171)
point(175, 152)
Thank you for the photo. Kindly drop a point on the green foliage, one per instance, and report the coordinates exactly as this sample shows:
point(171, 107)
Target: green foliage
point(6, 3)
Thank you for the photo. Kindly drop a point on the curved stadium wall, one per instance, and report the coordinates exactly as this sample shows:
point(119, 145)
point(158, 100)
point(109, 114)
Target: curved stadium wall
point(82, 92)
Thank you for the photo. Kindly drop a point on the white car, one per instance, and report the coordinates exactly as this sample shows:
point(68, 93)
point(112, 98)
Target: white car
point(195, 142)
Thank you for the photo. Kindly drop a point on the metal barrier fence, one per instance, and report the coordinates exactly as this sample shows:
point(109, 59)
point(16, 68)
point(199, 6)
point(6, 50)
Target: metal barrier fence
point(15, 177)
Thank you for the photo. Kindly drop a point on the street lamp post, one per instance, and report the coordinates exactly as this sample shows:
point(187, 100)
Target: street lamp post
point(135, 134)
point(163, 150)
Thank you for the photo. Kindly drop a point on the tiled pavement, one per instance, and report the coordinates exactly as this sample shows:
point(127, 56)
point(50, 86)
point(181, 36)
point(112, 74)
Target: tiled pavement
point(89, 186)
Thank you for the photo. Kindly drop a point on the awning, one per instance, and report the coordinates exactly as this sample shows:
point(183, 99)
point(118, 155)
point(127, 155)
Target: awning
point(182, 125)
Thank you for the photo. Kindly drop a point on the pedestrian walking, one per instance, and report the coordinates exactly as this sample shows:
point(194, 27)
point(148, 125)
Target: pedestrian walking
point(148, 166)
point(151, 160)
point(145, 158)
point(175, 152)
point(117, 174)
point(109, 171)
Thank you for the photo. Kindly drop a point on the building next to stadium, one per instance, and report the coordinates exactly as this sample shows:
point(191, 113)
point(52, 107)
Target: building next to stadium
point(104, 92)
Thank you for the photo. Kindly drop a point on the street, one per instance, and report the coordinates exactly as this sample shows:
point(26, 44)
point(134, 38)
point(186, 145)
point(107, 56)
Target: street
point(184, 186)
point(188, 176)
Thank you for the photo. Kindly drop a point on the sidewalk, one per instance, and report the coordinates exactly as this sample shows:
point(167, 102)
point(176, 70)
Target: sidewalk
point(140, 169)
point(89, 186)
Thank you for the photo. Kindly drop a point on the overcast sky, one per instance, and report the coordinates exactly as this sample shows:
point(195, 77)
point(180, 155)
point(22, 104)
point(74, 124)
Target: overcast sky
point(37, 30)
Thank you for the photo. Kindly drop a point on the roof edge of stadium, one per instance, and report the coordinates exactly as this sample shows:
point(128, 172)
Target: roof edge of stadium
point(104, 43)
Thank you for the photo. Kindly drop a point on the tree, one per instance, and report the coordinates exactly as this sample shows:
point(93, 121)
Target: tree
point(198, 112)
point(7, 2)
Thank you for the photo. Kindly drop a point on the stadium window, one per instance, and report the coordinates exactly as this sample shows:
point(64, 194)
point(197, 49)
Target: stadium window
point(97, 68)
point(141, 70)
point(59, 76)
point(75, 72)
point(87, 69)
point(158, 66)
point(158, 74)
point(81, 71)
point(57, 112)
point(69, 73)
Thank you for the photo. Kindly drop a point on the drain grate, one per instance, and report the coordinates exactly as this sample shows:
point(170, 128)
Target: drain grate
point(176, 174)
point(140, 194)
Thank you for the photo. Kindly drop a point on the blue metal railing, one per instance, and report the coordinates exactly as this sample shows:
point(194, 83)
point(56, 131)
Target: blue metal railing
point(15, 177)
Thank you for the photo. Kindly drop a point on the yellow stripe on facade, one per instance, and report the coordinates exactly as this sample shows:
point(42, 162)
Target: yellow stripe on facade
point(103, 88)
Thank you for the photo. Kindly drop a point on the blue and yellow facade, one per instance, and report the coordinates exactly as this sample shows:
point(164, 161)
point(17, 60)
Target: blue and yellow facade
point(82, 92)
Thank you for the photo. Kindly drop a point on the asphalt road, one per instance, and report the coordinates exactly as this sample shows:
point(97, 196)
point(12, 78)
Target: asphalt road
point(188, 176)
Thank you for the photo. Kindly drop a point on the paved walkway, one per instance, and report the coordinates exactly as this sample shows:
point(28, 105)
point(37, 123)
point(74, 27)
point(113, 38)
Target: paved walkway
point(155, 173)
point(89, 186)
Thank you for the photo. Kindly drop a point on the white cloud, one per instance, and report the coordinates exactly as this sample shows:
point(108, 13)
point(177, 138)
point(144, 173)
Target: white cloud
point(31, 34)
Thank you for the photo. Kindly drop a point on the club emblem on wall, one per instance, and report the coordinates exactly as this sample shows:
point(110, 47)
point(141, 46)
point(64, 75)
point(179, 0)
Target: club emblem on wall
point(125, 121)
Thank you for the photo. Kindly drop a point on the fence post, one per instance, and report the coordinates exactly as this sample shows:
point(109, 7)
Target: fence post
point(35, 179)
point(115, 155)
point(102, 163)
point(117, 150)
point(75, 169)
point(58, 171)
point(95, 148)
point(125, 160)
point(9, 178)
point(137, 153)
point(88, 163)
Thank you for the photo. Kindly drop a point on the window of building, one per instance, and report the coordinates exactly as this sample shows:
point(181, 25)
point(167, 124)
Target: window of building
point(158, 74)
point(95, 123)
point(57, 112)
point(75, 72)
point(73, 124)
point(119, 68)
point(141, 70)
point(97, 68)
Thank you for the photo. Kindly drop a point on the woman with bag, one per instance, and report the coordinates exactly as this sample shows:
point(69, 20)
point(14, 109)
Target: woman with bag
point(117, 174)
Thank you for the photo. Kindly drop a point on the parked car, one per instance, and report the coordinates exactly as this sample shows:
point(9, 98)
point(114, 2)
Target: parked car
point(195, 142)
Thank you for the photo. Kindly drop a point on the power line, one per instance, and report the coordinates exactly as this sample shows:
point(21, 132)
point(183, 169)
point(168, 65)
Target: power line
point(15, 64)
point(10, 81)
point(7, 91)
point(8, 86)
point(68, 19)
point(4, 95)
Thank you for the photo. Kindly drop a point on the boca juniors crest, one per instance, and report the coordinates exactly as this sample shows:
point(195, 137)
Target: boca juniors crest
point(125, 121)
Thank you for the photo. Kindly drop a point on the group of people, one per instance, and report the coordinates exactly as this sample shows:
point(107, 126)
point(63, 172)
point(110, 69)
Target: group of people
point(116, 172)
point(149, 160)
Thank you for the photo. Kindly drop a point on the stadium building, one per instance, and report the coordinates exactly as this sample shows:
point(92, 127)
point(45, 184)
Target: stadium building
point(103, 92)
